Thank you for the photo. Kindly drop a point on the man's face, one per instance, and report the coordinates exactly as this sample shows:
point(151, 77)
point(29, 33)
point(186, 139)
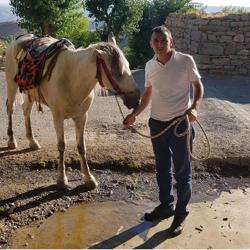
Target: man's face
point(161, 43)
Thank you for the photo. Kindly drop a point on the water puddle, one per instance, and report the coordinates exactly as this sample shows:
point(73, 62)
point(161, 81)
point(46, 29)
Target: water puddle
point(110, 225)
point(96, 225)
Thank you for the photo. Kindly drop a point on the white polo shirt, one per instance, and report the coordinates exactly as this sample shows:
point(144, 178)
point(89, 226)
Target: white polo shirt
point(170, 85)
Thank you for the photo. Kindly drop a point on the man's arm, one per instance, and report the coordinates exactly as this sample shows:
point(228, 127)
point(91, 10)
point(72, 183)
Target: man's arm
point(198, 91)
point(146, 96)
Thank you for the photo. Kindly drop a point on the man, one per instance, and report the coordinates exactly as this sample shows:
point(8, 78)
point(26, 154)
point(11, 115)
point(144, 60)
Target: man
point(168, 77)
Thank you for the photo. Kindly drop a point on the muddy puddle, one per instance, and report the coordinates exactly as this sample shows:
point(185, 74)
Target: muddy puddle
point(86, 225)
point(110, 216)
point(118, 224)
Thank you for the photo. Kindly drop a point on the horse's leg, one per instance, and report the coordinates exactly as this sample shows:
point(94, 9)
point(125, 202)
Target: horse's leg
point(80, 123)
point(27, 107)
point(62, 180)
point(11, 92)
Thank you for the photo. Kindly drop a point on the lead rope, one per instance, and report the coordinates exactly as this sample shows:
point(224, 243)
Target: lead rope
point(175, 123)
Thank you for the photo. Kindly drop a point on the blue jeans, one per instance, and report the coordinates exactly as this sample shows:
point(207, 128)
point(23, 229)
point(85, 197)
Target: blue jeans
point(171, 153)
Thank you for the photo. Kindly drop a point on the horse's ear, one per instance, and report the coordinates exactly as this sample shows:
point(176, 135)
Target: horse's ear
point(111, 38)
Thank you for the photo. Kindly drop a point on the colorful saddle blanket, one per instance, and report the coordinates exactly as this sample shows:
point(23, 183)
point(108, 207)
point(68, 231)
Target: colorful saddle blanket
point(31, 67)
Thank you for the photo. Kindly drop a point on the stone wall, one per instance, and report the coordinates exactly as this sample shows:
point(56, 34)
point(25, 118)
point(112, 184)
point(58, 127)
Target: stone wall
point(220, 44)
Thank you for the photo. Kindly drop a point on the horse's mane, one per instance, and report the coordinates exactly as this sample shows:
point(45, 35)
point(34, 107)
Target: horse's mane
point(112, 51)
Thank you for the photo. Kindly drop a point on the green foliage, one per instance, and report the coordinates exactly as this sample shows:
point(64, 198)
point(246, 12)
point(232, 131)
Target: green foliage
point(138, 43)
point(134, 62)
point(117, 16)
point(85, 38)
point(196, 8)
point(155, 13)
point(234, 10)
point(81, 24)
point(47, 16)
point(77, 33)
point(42, 163)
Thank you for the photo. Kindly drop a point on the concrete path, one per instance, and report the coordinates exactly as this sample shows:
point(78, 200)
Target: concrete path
point(218, 224)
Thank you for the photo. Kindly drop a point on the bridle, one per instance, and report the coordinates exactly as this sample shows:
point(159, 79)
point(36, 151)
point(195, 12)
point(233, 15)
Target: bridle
point(100, 63)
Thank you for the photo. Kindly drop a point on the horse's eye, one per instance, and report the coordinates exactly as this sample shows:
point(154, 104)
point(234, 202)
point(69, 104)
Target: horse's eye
point(118, 74)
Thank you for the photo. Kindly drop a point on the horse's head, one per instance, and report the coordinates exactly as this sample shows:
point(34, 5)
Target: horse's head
point(113, 73)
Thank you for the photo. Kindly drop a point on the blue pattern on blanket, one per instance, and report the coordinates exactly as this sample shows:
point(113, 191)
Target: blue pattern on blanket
point(30, 69)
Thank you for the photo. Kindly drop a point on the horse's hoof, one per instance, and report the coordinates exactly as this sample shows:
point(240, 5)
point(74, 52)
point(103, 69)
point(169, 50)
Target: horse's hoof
point(62, 184)
point(12, 144)
point(91, 183)
point(34, 145)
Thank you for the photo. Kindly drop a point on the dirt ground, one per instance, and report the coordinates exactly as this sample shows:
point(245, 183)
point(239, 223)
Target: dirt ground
point(121, 161)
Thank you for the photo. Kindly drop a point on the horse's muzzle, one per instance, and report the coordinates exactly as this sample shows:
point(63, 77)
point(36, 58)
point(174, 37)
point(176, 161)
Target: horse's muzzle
point(131, 99)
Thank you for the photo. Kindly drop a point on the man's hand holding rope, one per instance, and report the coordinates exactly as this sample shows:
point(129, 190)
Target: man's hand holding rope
point(129, 120)
point(192, 114)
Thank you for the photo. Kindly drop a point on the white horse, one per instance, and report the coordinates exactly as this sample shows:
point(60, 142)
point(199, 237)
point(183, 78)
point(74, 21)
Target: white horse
point(69, 93)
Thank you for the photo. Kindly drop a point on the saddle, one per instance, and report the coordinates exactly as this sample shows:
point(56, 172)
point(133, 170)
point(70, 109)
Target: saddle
point(37, 59)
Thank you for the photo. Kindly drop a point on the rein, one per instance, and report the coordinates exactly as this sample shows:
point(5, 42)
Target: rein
point(176, 124)
point(100, 63)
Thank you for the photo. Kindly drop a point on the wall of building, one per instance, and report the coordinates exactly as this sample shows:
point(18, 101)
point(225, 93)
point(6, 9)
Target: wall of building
point(220, 44)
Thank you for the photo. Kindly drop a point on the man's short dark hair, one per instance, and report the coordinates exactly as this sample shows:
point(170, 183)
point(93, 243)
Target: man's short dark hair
point(161, 29)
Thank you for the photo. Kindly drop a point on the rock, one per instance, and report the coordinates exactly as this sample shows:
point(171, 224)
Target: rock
point(50, 212)
point(130, 187)
point(239, 38)
point(30, 236)
point(244, 191)
point(211, 48)
point(243, 52)
point(199, 229)
point(68, 199)
point(3, 240)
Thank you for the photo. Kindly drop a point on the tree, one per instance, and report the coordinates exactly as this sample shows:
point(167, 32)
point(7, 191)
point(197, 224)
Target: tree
point(79, 34)
point(117, 16)
point(47, 16)
point(73, 32)
point(155, 13)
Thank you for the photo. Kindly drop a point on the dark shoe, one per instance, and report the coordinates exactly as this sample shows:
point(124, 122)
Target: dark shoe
point(159, 213)
point(177, 225)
